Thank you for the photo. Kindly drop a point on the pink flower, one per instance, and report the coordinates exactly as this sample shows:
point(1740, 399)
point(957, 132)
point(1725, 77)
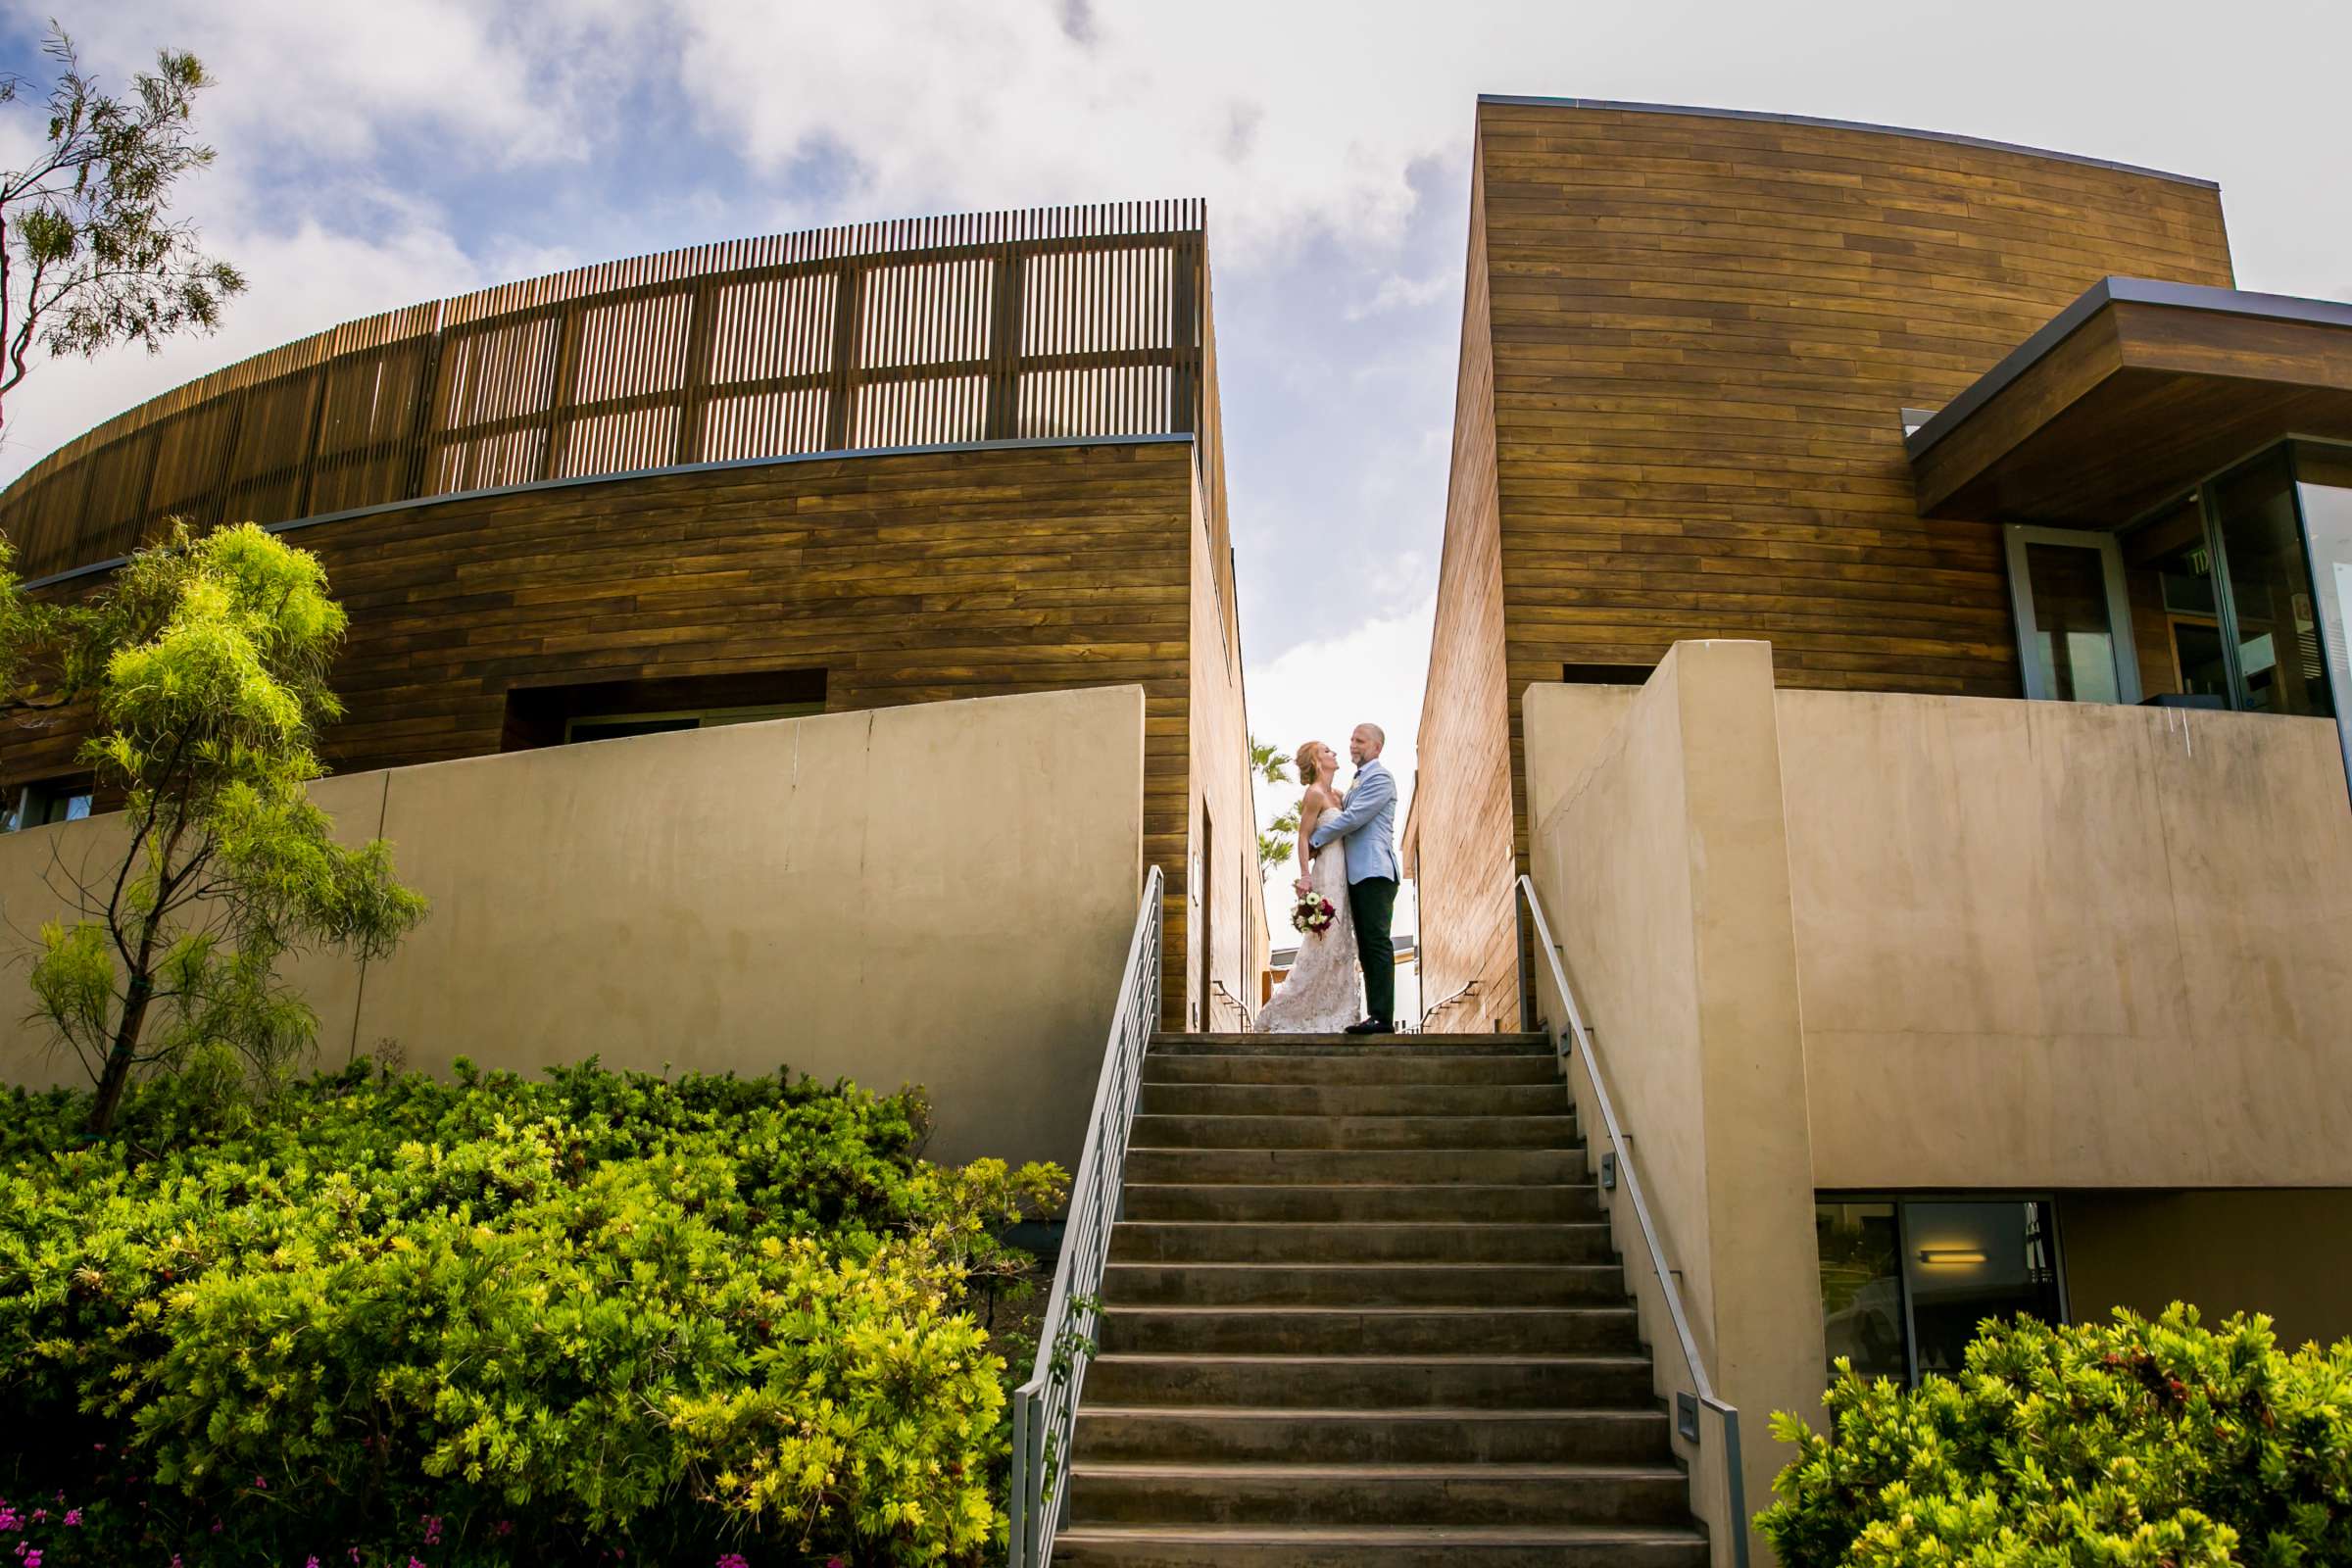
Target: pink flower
point(74, 1517)
point(432, 1528)
point(260, 1484)
point(734, 1559)
point(33, 1558)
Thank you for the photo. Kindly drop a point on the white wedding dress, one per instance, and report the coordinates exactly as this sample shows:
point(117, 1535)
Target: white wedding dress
point(1320, 996)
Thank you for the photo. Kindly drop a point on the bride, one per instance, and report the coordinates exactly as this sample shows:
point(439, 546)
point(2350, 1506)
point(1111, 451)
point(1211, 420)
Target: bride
point(1319, 995)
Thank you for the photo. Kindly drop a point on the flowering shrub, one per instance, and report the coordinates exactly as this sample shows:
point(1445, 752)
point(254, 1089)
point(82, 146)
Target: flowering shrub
point(497, 1321)
point(2129, 1443)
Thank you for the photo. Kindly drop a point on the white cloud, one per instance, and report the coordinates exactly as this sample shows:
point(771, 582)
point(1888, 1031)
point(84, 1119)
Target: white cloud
point(1008, 105)
point(495, 86)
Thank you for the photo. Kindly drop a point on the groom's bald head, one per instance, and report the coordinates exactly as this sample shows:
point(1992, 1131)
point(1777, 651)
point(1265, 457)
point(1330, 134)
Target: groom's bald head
point(1365, 744)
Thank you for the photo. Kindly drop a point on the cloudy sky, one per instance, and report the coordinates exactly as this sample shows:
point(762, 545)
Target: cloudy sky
point(379, 153)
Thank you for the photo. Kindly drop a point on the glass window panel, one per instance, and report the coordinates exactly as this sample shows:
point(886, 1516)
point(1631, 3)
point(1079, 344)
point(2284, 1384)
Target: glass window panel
point(2073, 635)
point(2278, 650)
point(1861, 1286)
point(611, 729)
point(1966, 1262)
point(2325, 491)
point(2198, 655)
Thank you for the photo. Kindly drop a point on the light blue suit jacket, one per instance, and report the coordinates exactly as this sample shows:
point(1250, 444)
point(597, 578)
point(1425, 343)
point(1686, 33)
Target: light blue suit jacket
point(1368, 824)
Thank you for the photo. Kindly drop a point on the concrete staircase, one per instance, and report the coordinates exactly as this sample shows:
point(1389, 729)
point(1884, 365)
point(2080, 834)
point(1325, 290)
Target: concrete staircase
point(1362, 1309)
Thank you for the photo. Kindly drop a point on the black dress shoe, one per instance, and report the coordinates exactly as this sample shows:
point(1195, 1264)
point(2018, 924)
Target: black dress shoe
point(1371, 1026)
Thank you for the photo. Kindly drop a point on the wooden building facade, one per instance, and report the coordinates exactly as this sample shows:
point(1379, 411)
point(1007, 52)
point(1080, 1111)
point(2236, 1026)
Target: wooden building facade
point(820, 472)
point(1689, 338)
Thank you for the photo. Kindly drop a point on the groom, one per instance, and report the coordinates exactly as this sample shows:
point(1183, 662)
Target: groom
point(1368, 825)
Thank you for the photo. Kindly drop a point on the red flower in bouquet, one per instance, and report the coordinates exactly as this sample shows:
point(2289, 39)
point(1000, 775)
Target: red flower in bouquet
point(1313, 914)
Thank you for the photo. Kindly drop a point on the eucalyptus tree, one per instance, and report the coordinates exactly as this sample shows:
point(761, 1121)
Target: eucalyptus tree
point(206, 662)
point(91, 256)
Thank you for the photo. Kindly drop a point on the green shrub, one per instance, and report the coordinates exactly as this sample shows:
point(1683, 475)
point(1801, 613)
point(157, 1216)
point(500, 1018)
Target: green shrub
point(2126, 1444)
point(601, 1311)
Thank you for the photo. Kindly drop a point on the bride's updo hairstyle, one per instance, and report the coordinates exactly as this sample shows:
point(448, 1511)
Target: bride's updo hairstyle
point(1308, 760)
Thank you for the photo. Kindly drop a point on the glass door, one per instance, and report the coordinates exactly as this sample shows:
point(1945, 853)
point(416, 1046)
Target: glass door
point(2268, 584)
point(2324, 494)
point(2073, 622)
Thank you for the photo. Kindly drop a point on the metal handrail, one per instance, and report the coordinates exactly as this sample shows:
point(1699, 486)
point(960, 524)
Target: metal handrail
point(1667, 1285)
point(1463, 995)
point(1044, 1410)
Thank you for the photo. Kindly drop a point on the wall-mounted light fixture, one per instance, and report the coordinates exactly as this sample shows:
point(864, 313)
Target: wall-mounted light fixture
point(1945, 1256)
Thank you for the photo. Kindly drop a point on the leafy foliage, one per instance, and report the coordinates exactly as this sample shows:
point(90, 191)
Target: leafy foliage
point(91, 257)
point(209, 660)
point(1281, 836)
point(2126, 1444)
point(606, 1311)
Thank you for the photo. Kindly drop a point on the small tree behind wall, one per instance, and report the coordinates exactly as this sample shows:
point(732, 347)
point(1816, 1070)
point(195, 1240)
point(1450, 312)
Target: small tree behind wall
point(208, 660)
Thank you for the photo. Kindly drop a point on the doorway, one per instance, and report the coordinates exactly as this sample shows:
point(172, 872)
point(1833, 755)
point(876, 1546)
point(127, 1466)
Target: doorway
point(1206, 946)
point(2074, 619)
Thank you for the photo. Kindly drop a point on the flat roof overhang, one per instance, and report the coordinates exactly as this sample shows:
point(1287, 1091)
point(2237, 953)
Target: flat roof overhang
point(2133, 394)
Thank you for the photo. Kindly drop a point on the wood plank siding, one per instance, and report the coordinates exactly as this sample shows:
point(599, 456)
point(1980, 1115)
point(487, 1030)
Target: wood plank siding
point(1704, 330)
point(1459, 838)
point(1045, 507)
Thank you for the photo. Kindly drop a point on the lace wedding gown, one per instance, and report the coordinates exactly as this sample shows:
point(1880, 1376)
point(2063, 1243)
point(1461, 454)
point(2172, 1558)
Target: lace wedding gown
point(1319, 995)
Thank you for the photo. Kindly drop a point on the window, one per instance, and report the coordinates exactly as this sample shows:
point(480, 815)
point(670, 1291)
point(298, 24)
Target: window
point(38, 804)
point(1606, 674)
point(2073, 622)
point(620, 726)
point(601, 711)
point(1905, 1282)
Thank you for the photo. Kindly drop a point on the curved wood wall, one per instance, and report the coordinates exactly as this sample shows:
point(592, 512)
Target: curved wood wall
point(1085, 320)
point(1701, 329)
point(1060, 520)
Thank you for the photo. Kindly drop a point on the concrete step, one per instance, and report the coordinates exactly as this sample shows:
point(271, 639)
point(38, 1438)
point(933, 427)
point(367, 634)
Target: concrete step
point(1254, 1433)
point(1127, 1493)
point(1263, 1166)
point(1356, 1100)
point(1323, 1382)
point(1367, 1331)
point(1387, 1201)
point(1380, 1546)
point(1424, 1067)
point(1363, 1284)
point(1351, 1132)
point(1262, 1242)
point(1342, 1045)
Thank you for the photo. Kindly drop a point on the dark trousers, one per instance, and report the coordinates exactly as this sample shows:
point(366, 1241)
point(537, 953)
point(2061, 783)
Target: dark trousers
point(1372, 903)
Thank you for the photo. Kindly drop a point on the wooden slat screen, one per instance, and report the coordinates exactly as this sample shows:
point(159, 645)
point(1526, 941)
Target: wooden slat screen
point(1063, 321)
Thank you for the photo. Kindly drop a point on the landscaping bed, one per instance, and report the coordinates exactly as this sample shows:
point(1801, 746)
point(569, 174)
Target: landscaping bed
point(383, 1319)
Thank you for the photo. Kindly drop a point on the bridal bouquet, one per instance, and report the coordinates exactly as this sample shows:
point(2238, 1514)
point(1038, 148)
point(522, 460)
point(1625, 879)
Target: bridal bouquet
point(1313, 914)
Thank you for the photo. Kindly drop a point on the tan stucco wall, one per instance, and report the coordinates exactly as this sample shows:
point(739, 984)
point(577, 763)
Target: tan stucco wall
point(1661, 861)
point(940, 894)
point(2070, 945)
point(1861, 942)
point(2280, 1253)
